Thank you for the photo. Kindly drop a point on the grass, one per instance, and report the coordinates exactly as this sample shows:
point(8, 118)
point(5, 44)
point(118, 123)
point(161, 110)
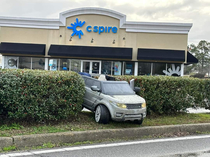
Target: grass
point(85, 121)
point(182, 118)
point(10, 148)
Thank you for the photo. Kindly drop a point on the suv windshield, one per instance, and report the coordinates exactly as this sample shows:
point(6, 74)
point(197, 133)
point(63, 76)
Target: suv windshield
point(117, 88)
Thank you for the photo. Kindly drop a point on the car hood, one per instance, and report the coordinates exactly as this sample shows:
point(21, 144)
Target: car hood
point(128, 99)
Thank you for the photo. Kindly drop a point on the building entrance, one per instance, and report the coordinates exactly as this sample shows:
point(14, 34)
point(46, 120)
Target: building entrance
point(91, 67)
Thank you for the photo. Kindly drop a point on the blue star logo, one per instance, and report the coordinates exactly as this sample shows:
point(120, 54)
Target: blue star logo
point(74, 28)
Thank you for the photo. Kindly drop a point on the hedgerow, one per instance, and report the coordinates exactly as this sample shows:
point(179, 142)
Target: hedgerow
point(40, 95)
point(170, 95)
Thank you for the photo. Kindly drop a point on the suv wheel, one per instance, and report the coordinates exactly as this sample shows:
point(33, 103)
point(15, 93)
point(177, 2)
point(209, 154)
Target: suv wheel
point(102, 114)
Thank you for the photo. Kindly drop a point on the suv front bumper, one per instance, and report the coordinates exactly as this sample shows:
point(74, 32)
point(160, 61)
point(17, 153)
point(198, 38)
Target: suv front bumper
point(128, 114)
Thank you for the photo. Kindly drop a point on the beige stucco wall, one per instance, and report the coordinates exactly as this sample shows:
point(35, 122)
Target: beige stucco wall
point(132, 40)
point(29, 35)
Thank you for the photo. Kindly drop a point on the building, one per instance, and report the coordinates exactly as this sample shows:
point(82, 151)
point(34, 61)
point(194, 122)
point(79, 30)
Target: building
point(95, 40)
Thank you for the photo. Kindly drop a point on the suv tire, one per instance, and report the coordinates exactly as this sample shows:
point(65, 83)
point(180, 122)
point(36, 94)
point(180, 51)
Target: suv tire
point(139, 121)
point(102, 114)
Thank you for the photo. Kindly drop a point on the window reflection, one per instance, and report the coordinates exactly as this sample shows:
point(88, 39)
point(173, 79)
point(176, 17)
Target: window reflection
point(144, 68)
point(24, 63)
point(64, 64)
point(75, 65)
point(53, 64)
point(129, 68)
point(38, 63)
point(158, 68)
point(106, 67)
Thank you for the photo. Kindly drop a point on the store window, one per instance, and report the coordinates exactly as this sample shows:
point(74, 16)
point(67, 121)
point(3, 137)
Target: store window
point(64, 64)
point(117, 68)
point(38, 63)
point(24, 63)
point(158, 68)
point(86, 66)
point(75, 65)
point(106, 67)
point(144, 68)
point(173, 69)
point(128, 68)
point(53, 64)
point(10, 62)
point(96, 67)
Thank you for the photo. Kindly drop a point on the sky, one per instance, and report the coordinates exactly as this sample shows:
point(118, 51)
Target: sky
point(196, 12)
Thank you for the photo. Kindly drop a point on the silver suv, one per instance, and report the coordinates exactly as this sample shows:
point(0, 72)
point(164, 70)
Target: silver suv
point(113, 99)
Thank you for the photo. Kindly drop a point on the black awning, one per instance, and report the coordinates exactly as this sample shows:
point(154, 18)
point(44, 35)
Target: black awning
point(90, 52)
point(161, 55)
point(191, 59)
point(22, 48)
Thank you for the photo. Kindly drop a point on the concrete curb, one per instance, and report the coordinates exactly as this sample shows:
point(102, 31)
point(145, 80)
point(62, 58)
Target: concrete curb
point(6, 141)
point(95, 135)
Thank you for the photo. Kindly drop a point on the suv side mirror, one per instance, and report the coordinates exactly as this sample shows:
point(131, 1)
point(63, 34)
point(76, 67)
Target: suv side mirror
point(132, 84)
point(95, 88)
point(137, 89)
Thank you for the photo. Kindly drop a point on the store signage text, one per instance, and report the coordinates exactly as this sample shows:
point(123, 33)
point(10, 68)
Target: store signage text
point(97, 29)
point(101, 29)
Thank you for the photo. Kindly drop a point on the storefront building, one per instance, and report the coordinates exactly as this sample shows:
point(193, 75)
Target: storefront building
point(97, 41)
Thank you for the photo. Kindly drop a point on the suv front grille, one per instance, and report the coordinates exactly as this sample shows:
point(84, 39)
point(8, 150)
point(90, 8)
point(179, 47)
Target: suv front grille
point(133, 106)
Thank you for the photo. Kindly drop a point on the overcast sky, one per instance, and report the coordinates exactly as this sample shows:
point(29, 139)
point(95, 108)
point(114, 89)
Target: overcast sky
point(181, 11)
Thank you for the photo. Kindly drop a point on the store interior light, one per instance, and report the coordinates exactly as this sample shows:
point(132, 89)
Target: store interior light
point(92, 40)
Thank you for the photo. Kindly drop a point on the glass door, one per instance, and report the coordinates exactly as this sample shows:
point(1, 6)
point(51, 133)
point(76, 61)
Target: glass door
point(91, 67)
point(86, 66)
point(95, 67)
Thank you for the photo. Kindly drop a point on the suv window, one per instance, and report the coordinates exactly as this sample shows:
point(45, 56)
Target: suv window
point(91, 82)
point(117, 88)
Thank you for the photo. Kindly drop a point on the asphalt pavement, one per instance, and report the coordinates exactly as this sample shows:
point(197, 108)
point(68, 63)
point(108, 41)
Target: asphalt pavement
point(191, 146)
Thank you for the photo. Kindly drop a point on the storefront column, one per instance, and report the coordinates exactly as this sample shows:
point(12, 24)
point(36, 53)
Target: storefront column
point(182, 69)
point(46, 64)
point(2, 62)
point(136, 69)
point(151, 69)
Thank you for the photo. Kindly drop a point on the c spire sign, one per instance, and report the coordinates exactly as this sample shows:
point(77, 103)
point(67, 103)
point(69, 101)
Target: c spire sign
point(74, 28)
point(89, 28)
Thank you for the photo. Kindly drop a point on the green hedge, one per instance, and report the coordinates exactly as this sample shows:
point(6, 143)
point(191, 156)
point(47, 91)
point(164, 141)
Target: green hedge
point(169, 95)
point(40, 95)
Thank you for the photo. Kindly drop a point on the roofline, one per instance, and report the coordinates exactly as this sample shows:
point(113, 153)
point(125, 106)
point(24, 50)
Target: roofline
point(45, 23)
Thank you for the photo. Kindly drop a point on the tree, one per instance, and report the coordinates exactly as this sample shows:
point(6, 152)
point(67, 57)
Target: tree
point(202, 53)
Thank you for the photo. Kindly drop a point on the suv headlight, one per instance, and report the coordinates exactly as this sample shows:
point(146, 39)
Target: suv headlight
point(121, 105)
point(143, 105)
point(118, 104)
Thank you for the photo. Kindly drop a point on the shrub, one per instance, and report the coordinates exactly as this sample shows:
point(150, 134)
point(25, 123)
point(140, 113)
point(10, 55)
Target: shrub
point(207, 94)
point(169, 95)
point(40, 95)
point(198, 75)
